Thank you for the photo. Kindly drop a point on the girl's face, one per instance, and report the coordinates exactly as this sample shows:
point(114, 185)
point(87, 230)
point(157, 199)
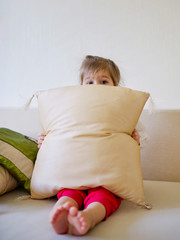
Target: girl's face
point(101, 77)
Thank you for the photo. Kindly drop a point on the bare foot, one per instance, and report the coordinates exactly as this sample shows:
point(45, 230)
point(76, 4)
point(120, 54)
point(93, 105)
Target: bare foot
point(59, 219)
point(80, 221)
point(66, 212)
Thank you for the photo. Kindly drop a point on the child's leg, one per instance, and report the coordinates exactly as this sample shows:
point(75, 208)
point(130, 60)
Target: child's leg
point(110, 201)
point(99, 204)
point(67, 198)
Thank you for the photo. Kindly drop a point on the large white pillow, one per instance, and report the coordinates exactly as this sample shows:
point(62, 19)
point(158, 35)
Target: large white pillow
point(88, 142)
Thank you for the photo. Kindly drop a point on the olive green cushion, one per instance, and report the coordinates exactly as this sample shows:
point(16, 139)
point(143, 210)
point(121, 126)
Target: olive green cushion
point(17, 155)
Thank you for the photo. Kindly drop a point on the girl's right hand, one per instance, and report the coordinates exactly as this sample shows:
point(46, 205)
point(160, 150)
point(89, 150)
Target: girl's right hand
point(41, 139)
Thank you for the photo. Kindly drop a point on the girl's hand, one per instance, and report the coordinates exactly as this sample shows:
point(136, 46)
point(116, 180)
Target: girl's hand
point(136, 136)
point(41, 139)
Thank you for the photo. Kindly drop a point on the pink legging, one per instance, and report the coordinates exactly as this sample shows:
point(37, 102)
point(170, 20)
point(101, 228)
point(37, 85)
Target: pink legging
point(110, 201)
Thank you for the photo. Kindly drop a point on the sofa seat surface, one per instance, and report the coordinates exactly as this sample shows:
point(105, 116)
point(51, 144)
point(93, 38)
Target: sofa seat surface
point(28, 219)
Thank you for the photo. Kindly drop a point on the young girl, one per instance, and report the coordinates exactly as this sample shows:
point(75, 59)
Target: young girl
point(84, 209)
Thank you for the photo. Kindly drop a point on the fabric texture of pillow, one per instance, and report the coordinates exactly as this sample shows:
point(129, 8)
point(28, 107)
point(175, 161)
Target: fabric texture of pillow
point(7, 181)
point(88, 142)
point(17, 155)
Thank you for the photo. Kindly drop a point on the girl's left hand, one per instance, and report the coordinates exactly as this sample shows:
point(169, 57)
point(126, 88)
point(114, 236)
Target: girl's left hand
point(136, 136)
point(41, 139)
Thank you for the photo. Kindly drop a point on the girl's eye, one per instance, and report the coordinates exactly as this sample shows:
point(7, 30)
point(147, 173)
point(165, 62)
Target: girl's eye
point(90, 82)
point(104, 82)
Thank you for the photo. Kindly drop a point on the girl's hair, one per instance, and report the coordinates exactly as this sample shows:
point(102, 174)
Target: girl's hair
point(94, 64)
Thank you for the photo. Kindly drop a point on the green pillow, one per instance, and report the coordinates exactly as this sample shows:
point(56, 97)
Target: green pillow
point(17, 155)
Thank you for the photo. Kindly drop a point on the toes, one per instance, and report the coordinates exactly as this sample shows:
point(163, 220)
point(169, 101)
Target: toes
point(60, 208)
point(55, 215)
point(73, 211)
point(67, 205)
point(82, 221)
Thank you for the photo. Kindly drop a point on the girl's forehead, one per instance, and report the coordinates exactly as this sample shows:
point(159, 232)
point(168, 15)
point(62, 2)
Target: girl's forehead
point(98, 72)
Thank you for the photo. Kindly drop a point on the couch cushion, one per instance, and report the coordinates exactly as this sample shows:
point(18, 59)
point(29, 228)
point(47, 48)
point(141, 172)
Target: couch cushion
point(128, 222)
point(161, 155)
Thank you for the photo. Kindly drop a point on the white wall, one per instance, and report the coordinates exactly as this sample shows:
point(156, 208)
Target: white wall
point(42, 44)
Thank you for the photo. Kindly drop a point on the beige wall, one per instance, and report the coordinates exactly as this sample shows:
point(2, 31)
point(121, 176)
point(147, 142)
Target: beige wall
point(42, 43)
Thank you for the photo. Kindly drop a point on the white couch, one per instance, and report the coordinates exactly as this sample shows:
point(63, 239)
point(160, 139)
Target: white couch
point(28, 219)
